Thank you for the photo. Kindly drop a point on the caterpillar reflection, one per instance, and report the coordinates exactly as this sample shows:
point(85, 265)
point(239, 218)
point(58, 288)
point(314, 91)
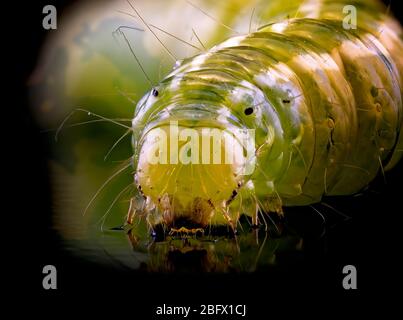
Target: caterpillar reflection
point(324, 103)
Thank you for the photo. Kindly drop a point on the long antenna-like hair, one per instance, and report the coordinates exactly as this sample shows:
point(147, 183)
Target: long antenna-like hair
point(149, 28)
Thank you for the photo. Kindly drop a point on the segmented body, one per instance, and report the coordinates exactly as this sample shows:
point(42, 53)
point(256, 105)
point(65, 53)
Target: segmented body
point(326, 102)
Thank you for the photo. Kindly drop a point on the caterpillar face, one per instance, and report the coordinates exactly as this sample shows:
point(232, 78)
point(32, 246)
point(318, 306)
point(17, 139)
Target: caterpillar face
point(191, 153)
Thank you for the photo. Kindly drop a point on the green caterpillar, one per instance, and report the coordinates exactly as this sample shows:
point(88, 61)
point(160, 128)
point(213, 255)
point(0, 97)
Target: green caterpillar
point(325, 104)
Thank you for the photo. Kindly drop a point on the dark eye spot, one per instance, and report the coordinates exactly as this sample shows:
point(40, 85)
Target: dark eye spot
point(286, 101)
point(248, 111)
point(154, 92)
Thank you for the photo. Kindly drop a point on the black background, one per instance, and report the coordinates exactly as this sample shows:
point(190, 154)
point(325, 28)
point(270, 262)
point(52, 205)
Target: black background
point(370, 240)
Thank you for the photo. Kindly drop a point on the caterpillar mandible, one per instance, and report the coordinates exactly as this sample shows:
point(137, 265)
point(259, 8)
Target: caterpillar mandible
point(324, 103)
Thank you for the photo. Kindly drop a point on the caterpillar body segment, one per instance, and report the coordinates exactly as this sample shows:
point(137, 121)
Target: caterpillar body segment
point(324, 104)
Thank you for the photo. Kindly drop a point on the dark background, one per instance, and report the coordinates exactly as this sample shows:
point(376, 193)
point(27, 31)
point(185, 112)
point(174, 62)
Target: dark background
point(370, 241)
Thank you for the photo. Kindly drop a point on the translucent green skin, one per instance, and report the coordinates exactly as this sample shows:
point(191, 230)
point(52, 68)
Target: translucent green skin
point(327, 101)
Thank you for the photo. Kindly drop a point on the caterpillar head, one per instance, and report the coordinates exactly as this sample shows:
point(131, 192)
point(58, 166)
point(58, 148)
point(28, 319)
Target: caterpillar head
point(191, 161)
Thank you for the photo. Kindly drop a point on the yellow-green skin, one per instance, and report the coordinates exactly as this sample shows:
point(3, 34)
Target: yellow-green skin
point(326, 101)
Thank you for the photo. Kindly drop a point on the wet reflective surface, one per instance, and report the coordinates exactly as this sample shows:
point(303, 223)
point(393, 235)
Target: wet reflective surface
point(244, 253)
point(216, 250)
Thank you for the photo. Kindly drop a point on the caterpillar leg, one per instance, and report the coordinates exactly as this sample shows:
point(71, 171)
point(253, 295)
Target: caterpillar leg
point(138, 209)
point(229, 219)
point(133, 239)
point(264, 207)
point(131, 213)
point(255, 217)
